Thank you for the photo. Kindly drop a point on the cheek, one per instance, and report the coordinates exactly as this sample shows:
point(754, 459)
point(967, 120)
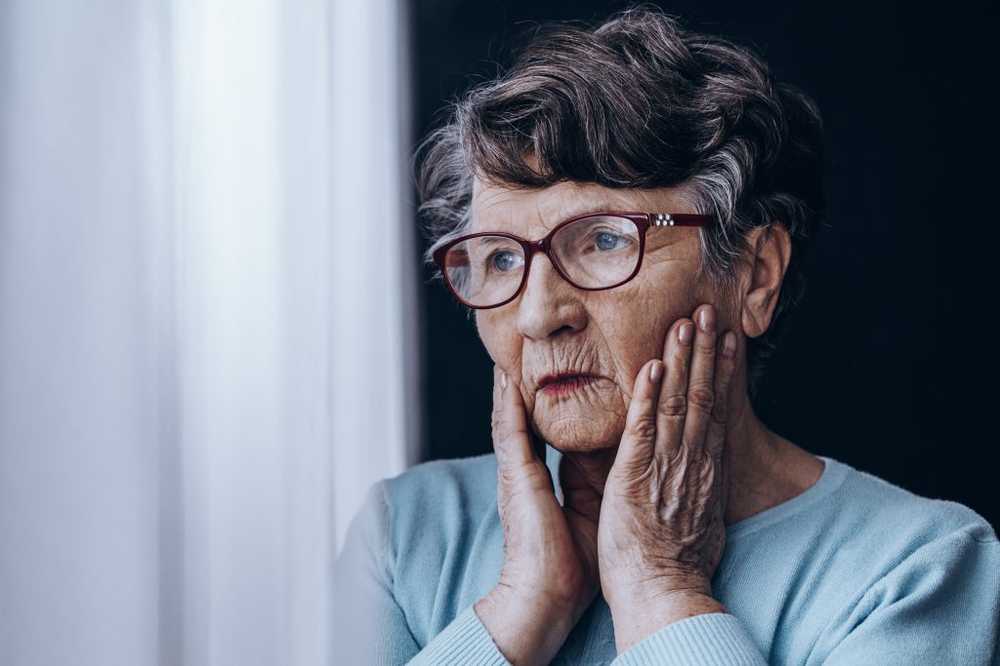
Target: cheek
point(636, 326)
point(500, 338)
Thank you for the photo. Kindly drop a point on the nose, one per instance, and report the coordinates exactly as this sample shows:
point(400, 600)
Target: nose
point(548, 304)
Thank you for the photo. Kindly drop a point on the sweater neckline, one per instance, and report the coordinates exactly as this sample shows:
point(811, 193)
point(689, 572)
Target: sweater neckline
point(834, 473)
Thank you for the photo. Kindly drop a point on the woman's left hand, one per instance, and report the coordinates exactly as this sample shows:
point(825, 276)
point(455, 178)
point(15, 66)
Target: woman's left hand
point(661, 531)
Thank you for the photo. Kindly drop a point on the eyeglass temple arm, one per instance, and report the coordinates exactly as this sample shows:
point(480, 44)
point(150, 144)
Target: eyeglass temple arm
point(679, 220)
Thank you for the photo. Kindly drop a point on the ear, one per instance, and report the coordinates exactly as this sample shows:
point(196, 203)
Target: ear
point(770, 251)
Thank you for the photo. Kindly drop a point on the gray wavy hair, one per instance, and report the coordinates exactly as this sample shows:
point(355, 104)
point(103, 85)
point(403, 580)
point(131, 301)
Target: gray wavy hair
point(640, 102)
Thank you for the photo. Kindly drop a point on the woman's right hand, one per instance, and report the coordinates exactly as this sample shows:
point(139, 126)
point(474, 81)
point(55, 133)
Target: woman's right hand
point(550, 572)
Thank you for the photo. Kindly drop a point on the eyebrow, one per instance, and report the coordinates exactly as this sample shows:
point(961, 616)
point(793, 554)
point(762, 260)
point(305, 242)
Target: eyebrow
point(602, 207)
point(492, 240)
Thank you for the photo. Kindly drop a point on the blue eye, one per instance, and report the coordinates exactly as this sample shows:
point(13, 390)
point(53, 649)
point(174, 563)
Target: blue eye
point(504, 261)
point(606, 240)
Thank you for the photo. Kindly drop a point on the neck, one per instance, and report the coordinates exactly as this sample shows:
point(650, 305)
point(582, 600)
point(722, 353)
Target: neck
point(753, 458)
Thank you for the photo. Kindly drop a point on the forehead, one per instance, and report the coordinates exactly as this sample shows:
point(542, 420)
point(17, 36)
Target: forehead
point(532, 213)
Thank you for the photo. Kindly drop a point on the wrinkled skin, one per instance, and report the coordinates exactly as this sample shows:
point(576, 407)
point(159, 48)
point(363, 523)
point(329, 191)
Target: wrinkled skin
point(647, 470)
point(553, 326)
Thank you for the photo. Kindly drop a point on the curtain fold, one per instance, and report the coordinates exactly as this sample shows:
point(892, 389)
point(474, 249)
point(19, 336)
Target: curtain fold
point(207, 342)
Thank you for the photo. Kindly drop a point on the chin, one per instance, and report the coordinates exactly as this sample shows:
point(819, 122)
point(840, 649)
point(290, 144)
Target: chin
point(584, 421)
point(569, 437)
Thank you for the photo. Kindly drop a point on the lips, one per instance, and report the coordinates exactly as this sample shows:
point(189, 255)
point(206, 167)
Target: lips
point(566, 380)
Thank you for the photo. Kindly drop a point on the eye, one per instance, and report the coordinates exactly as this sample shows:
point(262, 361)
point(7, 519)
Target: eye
point(609, 240)
point(504, 261)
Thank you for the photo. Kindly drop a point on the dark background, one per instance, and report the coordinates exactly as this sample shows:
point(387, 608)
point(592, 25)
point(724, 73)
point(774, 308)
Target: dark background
point(887, 365)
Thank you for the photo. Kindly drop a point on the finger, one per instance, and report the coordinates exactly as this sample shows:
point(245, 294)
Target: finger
point(514, 442)
point(701, 384)
point(512, 438)
point(639, 438)
point(724, 372)
point(672, 405)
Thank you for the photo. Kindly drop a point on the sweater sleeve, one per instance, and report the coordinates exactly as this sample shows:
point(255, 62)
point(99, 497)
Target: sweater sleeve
point(369, 627)
point(709, 639)
point(464, 641)
point(939, 605)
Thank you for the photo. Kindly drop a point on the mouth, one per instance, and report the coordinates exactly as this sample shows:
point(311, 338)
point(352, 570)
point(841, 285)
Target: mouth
point(565, 383)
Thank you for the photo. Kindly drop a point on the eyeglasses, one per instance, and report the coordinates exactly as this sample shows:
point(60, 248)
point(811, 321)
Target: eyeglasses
point(592, 252)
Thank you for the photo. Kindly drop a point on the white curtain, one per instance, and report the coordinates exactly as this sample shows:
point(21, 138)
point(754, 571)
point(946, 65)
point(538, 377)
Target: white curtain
point(207, 333)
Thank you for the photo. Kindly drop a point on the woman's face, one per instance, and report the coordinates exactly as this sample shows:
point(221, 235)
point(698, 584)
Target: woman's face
point(553, 327)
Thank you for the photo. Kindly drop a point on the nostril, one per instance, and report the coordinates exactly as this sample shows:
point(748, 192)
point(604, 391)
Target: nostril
point(564, 327)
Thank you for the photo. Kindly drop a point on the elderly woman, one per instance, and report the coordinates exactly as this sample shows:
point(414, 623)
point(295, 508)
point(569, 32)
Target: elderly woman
point(624, 212)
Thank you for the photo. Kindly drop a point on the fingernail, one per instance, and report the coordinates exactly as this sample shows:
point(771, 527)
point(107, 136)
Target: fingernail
point(729, 344)
point(656, 371)
point(686, 332)
point(706, 319)
point(503, 379)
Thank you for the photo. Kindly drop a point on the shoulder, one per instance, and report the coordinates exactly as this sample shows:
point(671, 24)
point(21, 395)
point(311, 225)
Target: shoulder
point(903, 569)
point(909, 519)
point(437, 493)
point(438, 500)
point(444, 484)
point(879, 536)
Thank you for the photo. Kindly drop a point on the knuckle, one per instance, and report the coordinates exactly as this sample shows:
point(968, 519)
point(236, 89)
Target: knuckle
point(499, 431)
point(644, 427)
point(506, 475)
point(679, 357)
point(674, 405)
point(510, 476)
point(706, 474)
point(704, 343)
point(701, 397)
point(724, 377)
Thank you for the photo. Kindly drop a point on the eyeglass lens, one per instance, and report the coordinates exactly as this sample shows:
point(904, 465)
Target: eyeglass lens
point(595, 252)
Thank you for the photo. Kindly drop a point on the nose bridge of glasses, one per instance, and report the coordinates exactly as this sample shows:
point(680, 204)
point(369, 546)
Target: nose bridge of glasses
point(543, 247)
point(540, 245)
point(543, 281)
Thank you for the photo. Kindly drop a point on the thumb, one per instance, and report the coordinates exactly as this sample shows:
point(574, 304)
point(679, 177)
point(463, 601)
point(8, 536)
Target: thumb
point(514, 441)
point(639, 438)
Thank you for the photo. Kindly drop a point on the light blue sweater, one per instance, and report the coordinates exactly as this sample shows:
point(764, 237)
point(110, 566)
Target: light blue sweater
point(854, 570)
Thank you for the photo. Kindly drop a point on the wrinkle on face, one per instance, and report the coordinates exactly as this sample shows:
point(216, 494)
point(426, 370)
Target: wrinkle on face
point(611, 333)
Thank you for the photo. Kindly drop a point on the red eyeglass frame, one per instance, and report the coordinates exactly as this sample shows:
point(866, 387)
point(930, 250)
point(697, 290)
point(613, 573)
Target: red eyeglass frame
point(643, 222)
